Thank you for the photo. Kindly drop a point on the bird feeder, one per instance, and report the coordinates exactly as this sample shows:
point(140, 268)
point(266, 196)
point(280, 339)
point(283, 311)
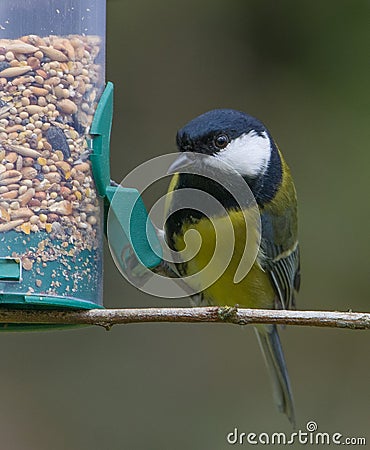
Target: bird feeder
point(55, 122)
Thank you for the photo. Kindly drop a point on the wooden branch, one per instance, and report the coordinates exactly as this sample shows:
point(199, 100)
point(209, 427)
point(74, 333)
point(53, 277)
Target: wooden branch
point(109, 317)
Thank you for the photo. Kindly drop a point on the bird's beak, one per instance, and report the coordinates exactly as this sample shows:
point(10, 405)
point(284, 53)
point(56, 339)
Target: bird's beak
point(183, 162)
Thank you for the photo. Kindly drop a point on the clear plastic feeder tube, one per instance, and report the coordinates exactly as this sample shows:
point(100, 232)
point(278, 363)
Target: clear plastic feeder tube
point(52, 62)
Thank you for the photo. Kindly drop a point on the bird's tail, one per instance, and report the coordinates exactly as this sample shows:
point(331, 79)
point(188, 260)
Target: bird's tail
point(270, 344)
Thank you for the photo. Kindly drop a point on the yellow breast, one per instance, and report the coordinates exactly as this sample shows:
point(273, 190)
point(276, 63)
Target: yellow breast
point(215, 254)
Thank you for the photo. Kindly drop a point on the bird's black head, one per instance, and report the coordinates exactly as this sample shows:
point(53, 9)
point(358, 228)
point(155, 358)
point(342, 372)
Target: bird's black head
point(239, 140)
point(212, 131)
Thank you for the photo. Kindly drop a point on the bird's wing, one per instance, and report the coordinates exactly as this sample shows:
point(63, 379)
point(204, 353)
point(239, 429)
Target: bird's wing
point(282, 263)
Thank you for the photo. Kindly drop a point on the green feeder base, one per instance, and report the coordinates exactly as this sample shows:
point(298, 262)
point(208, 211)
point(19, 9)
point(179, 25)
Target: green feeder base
point(31, 302)
point(40, 302)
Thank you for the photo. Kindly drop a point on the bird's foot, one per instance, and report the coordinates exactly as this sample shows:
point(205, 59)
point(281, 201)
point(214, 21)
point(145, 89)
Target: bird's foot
point(225, 313)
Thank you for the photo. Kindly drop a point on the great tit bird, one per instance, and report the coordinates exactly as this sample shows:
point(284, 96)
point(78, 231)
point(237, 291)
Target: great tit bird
point(244, 143)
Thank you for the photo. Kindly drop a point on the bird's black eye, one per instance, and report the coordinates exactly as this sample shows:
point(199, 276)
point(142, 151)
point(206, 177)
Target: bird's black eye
point(221, 141)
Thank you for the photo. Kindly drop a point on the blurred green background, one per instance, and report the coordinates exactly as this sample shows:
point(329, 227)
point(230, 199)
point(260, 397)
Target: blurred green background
point(303, 68)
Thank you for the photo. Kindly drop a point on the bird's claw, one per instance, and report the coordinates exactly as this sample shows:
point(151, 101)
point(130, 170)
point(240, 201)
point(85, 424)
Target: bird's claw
point(225, 313)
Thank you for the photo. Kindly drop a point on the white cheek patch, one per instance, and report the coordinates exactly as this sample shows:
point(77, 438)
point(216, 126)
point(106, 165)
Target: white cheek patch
point(248, 154)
